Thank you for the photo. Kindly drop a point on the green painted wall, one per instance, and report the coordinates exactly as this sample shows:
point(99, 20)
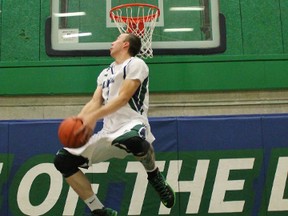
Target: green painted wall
point(256, 57)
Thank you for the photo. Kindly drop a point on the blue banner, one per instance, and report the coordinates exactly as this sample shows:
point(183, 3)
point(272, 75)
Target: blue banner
point(218, 165)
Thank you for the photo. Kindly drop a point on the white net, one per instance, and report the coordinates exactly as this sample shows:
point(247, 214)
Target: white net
point(138, 19)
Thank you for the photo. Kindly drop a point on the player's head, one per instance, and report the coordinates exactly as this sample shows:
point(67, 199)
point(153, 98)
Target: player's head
point(134, 44)
point(125, 43)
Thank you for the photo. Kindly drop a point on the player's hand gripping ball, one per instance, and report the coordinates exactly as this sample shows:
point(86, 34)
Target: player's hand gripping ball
point(69, 133)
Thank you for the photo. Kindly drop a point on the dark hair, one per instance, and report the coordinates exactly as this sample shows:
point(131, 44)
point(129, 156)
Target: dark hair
point(135, 44)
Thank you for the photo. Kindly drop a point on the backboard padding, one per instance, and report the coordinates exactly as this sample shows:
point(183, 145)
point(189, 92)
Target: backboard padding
point(182, 25)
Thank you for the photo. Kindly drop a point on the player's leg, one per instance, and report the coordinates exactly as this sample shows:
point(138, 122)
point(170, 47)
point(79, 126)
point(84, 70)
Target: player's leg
point(68, 165)
point(80, 184)
point(144, 152)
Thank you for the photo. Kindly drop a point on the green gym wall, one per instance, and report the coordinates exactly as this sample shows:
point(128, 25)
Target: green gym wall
point(256, 57)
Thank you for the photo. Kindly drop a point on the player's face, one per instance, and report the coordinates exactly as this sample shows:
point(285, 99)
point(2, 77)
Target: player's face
point(118, 45)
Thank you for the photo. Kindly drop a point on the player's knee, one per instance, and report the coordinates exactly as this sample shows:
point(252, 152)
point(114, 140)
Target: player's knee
point(67, 163)
point(138, 146)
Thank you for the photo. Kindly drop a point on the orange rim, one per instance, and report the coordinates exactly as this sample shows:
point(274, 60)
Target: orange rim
point(125, 18)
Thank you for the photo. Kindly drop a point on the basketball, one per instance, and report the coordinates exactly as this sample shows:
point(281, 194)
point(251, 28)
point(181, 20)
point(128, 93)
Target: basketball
point(67, 133)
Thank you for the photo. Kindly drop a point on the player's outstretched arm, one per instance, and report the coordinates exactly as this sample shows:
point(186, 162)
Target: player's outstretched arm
point(95, 103)
point(126, 91)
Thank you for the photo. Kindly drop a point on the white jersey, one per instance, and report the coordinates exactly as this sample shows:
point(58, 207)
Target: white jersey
point(136, 109)
point(134, 113)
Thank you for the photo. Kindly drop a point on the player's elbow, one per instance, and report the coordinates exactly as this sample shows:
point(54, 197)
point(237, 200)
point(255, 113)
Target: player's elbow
point(123, 100)
point(97, 102)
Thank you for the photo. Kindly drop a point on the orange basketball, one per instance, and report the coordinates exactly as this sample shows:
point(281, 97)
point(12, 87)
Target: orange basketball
point(67, 130)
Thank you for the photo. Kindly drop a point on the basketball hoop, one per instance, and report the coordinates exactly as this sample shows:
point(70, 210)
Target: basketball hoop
point(138, 19)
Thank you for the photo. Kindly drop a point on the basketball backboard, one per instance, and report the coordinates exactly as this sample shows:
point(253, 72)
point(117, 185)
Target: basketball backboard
point(79, 28)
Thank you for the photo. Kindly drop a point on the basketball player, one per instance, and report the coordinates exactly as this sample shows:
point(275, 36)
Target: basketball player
point(121, 98)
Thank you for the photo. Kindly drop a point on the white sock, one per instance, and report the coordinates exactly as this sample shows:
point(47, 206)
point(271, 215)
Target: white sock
point(93, 203)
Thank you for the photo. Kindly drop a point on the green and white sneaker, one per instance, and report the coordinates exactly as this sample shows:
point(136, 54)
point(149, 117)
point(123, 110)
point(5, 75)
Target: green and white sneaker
point(104, 212)
point(164, 190)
